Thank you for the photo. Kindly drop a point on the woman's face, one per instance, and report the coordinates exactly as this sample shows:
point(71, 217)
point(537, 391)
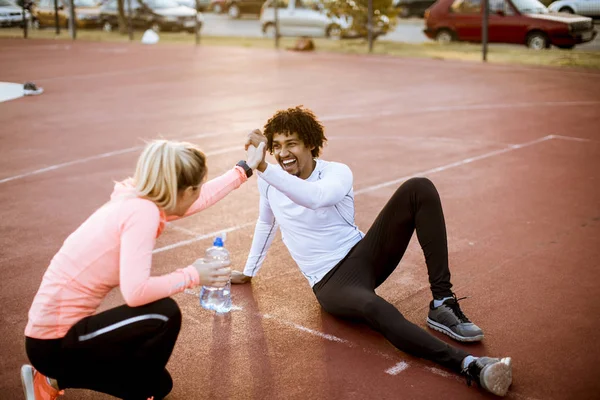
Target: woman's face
point(185, 199)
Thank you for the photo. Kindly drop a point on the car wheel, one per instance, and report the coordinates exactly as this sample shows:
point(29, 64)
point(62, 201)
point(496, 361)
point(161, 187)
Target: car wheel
point(217, 9)
point(567, 10)
point(333, 32)
point(269, 30)
point(155, 27)
point(444, 36)
point(537, 41)
point(36, 24)
point(107, 27)
point(234, 11)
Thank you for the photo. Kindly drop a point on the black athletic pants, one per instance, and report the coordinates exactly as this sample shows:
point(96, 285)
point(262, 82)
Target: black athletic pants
point(348, 290)
point(122, 352)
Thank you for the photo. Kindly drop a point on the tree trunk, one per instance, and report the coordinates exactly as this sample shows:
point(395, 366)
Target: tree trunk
point(122, 17)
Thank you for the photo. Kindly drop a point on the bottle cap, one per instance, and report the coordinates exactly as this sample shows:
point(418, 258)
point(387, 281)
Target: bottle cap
point(218, 242)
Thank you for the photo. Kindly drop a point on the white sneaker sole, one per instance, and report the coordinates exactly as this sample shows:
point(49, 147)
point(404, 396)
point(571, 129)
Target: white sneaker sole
point(27, 373)
point(496, 378)
point(444, 329)
point(28, 92)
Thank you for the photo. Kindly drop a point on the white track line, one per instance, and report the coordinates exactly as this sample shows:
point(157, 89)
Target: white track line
point(202, 237)
point(396, 369)
point(326, 118)
point(106, 155)
point(452, 165)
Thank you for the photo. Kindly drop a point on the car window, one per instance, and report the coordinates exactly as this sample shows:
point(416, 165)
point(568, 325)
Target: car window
point(111, 5)
point(501, 5)
point(280, 3)
point(466, 6)
point(530, 7)
point(157, 4)
point(45, 4)
point(307, 4)
point(5, 3)
point(84, 3)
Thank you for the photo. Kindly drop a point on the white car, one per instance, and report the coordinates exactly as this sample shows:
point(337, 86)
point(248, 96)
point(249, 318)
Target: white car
point(11, 14)
point(302, 18)
point(588, 8)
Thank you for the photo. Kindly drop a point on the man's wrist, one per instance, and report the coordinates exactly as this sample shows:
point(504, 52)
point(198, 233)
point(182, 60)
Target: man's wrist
point(262, 166)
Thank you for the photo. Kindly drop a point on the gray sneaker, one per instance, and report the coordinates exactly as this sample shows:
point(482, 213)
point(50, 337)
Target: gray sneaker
point(449, 319)
point(492, 374)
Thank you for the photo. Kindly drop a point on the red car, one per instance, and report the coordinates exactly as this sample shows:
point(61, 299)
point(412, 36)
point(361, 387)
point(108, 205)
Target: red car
point(526, 22)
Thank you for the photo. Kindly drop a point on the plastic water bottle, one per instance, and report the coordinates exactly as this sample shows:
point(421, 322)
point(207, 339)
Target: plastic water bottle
point(217, 298)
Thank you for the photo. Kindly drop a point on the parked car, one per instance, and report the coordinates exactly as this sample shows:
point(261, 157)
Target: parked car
point(158, 15)
point(11, 14)
point(409, 8)
point(218, 6)
point(525, 22)
point(588, 8)
point(309, 18)
point(87, 14)
point(236, 8)
point(202, 5)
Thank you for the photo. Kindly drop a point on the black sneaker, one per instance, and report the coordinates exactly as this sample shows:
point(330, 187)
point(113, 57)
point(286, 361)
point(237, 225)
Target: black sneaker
point(492, 374)
point(449, 319)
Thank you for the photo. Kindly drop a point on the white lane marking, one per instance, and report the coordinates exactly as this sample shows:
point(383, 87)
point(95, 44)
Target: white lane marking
point(326, 118)
point(202, 237)
point(396, 369)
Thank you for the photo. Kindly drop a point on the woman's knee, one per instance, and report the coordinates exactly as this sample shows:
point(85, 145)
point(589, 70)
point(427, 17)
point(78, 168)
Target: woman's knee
point(169, 308)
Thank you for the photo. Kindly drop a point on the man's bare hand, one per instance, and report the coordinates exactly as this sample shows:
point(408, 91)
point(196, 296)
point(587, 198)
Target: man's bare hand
point(237, 277)
point(255, 138)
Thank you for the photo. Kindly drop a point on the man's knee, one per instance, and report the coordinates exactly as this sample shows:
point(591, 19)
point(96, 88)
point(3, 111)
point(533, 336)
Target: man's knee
point(349, 305)
point(419, 184)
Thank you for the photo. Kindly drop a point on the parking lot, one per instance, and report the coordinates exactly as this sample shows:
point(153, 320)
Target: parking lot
point(407, 30)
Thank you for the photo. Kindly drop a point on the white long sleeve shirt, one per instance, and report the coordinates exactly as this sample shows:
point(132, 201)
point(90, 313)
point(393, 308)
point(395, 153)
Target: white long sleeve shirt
point(315, 215)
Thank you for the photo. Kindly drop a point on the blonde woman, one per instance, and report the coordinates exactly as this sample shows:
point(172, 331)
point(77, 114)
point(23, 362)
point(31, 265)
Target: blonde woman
point(123, 351)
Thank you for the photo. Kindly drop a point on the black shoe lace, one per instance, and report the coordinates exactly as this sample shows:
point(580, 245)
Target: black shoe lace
point(472, 372)
point(453, 305)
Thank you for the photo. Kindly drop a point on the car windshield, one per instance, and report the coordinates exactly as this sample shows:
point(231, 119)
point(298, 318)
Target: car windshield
point(530, 6)
point(6, 3)
point(162, 4)
point(85, 3)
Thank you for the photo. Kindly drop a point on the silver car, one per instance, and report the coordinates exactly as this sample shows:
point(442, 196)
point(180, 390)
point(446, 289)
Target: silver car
point(11, 14)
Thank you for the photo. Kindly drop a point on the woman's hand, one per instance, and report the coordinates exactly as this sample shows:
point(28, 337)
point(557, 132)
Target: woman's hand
point(255, 156)
point(213, 273)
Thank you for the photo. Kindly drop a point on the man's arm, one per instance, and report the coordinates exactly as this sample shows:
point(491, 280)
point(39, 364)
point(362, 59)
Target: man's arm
point(334, 183)
point(264, 233)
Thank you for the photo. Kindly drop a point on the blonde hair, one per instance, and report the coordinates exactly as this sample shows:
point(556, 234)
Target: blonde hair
point(165, 167)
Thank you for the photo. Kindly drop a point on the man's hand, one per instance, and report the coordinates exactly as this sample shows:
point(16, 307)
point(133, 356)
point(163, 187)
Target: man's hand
point(238, 277)
point(255, 138)
point(212, 273)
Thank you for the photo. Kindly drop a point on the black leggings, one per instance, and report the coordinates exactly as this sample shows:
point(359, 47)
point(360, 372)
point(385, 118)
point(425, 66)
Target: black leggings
point(348, 290)
point(122, 352)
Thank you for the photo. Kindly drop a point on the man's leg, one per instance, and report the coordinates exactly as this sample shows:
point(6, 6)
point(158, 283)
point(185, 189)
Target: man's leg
point(347, 294)
point(416, 206)
point(356, 301)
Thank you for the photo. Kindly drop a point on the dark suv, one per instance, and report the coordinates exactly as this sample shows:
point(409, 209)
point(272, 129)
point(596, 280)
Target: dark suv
point(526, 22)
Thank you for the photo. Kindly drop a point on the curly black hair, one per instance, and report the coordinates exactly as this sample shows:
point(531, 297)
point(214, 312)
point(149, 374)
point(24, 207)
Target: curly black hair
point(298, 120)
